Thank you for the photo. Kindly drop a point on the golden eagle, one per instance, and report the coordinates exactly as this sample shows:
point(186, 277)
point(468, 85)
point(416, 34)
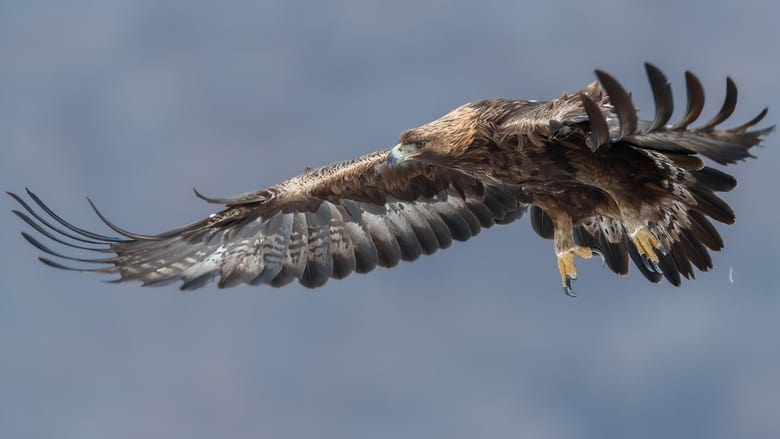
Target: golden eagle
point(594, 178)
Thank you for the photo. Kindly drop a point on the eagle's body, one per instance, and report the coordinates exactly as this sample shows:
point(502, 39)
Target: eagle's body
point(595, 178)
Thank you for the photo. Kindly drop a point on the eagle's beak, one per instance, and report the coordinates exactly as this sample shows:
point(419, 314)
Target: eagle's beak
point(400, 153)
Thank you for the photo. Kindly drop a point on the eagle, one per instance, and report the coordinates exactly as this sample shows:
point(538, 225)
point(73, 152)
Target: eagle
point(591, 175)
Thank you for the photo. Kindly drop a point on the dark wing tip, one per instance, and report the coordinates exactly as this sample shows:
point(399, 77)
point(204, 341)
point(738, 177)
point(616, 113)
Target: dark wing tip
point(727, 109)
point(93, 238)
point(51, 263)
point(223, 201)
point(599, 130)
point(118, 229)
point(621, 100)
point(662, 95)
point(695, 92)
point(752, 122)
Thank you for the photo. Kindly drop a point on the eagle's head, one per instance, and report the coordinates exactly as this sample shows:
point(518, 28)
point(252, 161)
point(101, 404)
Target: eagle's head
point(440, 142)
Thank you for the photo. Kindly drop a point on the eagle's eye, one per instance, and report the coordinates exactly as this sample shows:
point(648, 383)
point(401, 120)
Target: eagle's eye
point(420, 144)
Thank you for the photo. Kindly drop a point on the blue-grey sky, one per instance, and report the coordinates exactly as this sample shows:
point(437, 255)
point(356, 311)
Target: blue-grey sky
point(135, 102)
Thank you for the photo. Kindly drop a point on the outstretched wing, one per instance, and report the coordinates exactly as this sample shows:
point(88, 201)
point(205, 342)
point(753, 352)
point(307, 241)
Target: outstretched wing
point(326, 223)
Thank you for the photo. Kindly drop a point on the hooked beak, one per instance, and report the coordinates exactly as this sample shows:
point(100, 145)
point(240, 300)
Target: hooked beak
point(401, 153)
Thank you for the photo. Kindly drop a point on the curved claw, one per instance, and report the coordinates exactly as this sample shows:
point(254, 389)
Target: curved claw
point(568, 269)
point(567, 289)
point(597, 252)
point(651, 265)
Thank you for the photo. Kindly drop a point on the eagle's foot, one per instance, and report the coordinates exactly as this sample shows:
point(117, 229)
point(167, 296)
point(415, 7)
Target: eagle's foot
point(648, 247)
point(568, 269)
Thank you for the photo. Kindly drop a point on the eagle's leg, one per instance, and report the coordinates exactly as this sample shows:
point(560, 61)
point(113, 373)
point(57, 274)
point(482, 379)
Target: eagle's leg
point(648, 247)
point(566, 250)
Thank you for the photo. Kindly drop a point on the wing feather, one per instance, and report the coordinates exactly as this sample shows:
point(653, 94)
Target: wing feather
point(579, 121)
point(729, 105)
point(422, 229)
point(274, 248)
point(608, 238)
point(388, 250)
point(695, 105)
point(459, 227)
point(662, 95)
point(541, 222)
point(366, 253)
point(440, 229)
point(407, 240)
point(327, 223)
point(341, 248)
point(294, 262)
point(626, 113)
point(319, 263)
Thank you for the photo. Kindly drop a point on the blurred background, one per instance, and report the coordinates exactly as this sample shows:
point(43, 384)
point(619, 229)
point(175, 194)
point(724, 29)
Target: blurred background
point(135, 102)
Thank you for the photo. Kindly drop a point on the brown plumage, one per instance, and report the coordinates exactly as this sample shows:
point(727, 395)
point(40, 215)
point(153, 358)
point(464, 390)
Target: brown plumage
point(595, 178)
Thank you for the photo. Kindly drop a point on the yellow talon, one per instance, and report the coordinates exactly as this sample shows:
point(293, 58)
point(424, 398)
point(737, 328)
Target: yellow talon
point(568, 269)
point(646, 243)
